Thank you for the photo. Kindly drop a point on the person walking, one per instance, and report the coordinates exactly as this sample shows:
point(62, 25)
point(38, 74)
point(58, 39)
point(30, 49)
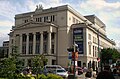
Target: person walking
point(115, 74)
point(88, 74)
point(105, 74)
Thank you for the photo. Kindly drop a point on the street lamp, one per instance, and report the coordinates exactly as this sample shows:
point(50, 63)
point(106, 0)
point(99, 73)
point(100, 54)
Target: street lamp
point(98, 34)
point(74, 52)
point(75, 45)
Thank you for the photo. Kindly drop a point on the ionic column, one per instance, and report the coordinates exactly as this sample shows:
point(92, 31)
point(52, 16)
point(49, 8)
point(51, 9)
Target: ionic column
point(20, 43)
point(27, 44)
point(34, 42)
point(49, 43)
point(41, 42)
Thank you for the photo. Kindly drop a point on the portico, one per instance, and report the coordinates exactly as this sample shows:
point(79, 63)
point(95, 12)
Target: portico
point(38, 40)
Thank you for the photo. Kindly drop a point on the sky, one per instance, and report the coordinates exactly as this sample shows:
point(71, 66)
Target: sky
point(108, 11)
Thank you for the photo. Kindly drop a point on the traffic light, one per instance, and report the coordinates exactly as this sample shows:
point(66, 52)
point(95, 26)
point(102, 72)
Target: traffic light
point(75, 56)
point(98, 59)
point(74, 53)
point(70, 49)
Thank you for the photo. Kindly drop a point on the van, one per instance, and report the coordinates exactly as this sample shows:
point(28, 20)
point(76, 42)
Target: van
point(52, 68)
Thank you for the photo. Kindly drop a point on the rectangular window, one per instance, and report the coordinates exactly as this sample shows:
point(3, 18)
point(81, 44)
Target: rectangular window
point(53, 62)
point(53, 18)
point(45, 48)
point(73, 20)
point(40, 19)
point(45, 18)
point(93, 51)
point(90, 49)
point(52, 49)
point(24, 38)
point(23, 48)
point(37, 48)
point(45, 36)
point(89, 36)
point(36, 20)
point(30, 48)
point(30, 37)
point(37, 36)
point(52, 36)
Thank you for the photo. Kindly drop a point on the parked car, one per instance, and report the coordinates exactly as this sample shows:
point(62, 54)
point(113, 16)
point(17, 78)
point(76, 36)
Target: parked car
point(61, 72)
point(52, 68)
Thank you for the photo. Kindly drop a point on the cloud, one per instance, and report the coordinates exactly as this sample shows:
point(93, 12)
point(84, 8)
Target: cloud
point(99, 5)
point(6, 9)
point(113, 30)
point(31, 4)
point(101, 8)
point(117, 43)
point(6, 23)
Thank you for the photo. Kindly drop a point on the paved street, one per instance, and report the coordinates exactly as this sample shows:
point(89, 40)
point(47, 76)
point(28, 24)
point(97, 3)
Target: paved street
point(82, 76)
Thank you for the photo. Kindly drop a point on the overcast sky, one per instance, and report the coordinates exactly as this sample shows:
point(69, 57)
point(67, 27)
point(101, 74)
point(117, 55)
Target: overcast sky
point(106, 10)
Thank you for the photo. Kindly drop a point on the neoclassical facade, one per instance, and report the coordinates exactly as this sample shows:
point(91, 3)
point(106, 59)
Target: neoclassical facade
point(51, 31)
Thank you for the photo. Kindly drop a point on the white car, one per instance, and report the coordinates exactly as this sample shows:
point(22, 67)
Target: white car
point(61, 72)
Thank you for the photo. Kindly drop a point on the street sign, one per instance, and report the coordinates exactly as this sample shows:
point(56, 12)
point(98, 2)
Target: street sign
point(69, 55)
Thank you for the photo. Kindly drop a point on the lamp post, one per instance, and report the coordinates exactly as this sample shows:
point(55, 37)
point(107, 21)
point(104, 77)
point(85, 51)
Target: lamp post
point(73, 50)
point(100, 55)
point(75, 45)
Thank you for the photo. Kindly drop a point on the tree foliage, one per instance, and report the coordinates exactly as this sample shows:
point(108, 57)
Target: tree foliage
point(9, 66)
point(109, 54)
point(38, 63)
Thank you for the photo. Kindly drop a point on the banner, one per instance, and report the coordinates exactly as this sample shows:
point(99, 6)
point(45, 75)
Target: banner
point(78, 39)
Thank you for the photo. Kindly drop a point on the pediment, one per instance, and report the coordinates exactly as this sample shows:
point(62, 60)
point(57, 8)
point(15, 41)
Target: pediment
point(32, 24)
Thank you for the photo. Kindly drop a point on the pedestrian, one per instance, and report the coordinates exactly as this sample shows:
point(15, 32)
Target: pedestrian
point(96, 70)
point(115, 74)
point(88, 75)
point(105, 74)
point(85, 69)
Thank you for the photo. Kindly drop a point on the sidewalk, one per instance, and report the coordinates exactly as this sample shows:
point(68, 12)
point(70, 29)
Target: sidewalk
point(82, 76)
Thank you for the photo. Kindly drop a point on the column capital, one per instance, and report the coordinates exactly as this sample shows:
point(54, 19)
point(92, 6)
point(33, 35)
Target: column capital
point(41, 32)
point(27, 33)
point(49, 32)
point(34, 33)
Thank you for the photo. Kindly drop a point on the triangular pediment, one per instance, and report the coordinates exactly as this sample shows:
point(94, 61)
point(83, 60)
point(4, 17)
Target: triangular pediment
point(32, 24)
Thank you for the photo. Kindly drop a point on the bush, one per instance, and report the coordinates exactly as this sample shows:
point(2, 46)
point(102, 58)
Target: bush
point(42, 76)
point(53, 76)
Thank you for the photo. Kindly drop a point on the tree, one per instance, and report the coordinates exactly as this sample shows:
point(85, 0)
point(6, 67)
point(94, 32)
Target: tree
point(109, 54)
point(38, 63)
point(9, 66)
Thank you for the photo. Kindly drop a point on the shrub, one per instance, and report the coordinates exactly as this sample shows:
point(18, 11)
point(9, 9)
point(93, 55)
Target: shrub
point(53, 76)
point(42, 76)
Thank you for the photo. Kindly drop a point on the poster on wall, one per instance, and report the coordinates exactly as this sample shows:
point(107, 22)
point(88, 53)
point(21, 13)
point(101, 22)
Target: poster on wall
point(78, 39)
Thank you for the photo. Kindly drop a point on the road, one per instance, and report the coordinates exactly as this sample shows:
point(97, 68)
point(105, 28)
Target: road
point(82, 76)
